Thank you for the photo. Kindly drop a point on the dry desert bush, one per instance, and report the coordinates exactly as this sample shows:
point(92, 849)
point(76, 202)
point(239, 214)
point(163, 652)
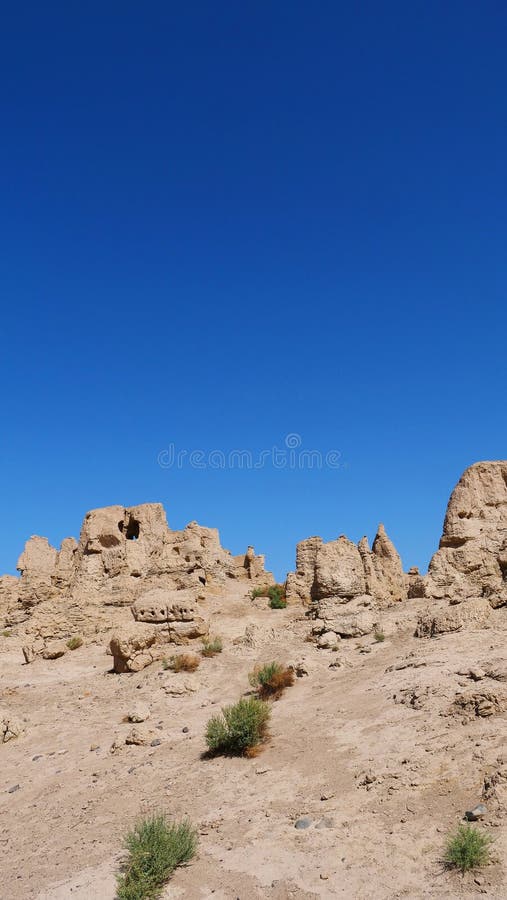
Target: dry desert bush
point(74, 642)
point(271, 680)
point(184, 662)
point(212, 646)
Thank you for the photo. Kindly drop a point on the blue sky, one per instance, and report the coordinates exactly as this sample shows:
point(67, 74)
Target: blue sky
point(225, 223)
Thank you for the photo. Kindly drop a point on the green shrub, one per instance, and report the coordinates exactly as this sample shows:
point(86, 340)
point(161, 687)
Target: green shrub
point(74, 642)
point(467, 848)
point(211, 646)
point(271, 680)
point(6, 632)
point(276, 594)
point(379, 635)
point(239, 729)
point(260, 592)
point(155, 847)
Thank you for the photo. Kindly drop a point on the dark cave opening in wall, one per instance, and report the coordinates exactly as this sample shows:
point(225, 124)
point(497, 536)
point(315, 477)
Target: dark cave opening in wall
point(130, 529)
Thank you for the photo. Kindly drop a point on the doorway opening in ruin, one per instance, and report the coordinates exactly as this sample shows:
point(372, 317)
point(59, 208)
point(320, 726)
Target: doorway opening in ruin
point(130, 528)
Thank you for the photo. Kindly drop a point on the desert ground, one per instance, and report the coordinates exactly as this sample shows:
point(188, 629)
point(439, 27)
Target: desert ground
point(382, 745)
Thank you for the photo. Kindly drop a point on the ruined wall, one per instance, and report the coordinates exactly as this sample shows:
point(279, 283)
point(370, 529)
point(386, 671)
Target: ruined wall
point(122, 553)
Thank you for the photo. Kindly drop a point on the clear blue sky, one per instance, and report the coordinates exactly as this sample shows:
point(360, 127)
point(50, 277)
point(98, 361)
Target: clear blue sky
point(225, 222)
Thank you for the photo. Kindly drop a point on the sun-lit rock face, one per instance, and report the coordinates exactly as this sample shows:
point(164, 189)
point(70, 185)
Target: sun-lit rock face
point(122, 554)
point(343, 569)
point(125, 555)
point(472, 557)
point(347, 585)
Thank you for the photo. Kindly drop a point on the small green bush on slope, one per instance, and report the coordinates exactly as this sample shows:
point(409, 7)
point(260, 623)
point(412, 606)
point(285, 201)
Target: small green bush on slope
point(155, 847)
point(239, 729)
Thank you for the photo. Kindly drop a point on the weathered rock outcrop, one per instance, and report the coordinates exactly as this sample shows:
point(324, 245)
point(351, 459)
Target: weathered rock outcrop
point(345, 584)
point(9, 591)
point(300, 583)
point(387, 580)
point(177, 610)
point(344, 570)
point(133, 650)
point(159, 605)
point(129, 557)
point(473, 613)
point(346, 619)
point(472, 557)
point(122, 554)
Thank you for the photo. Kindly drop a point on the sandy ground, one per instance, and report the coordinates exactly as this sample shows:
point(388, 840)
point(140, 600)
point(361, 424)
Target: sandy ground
point(373, 751)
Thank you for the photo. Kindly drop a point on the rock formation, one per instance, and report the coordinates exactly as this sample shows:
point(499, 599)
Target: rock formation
point(133, 650)
point(471, 561)
point(123, 555)
point(343, 569)
point(129, 557)
point(347, 584)
point(475, 613)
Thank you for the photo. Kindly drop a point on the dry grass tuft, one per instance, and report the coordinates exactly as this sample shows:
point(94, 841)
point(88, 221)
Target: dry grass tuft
point(271, 680)
point(211, 646)
point(184, 662)
point(74, 642)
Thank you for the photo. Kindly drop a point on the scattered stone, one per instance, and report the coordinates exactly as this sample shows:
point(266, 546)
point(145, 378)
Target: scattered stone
point(186, 729)
point(156, 742)
point(482, 704)
point(94, 747)
point(134, 649)
point(55, 650)
point(180, 686)
point(478, 812)
point(137, 737)
point(335, 664)
point(300, 669)
point(328, 640)
point(31, 651)
point(10, 728)
point(139, 713)
point(476, 674)
point(327, 794)
point(14, 788)
point(305, 822)
point(369, 778)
